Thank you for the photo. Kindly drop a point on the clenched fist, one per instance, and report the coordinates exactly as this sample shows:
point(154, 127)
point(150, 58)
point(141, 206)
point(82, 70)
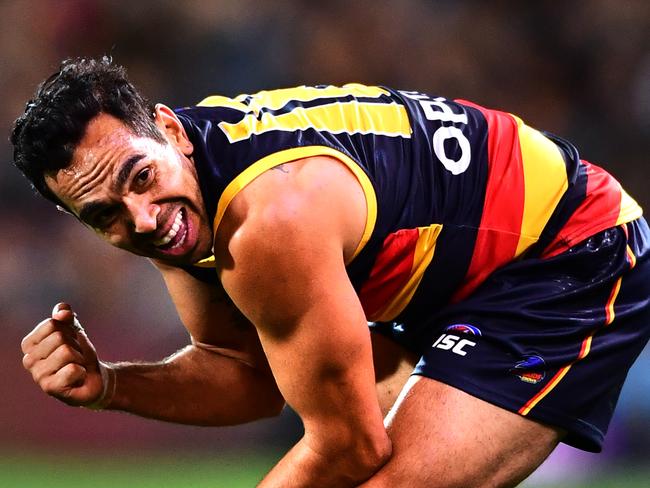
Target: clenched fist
point(64, 363)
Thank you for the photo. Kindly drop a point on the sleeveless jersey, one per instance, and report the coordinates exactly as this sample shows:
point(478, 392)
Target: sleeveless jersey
point(453, 190)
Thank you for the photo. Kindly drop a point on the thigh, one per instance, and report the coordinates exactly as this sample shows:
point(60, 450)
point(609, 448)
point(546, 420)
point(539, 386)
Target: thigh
point(393, 367)
point(443, 437)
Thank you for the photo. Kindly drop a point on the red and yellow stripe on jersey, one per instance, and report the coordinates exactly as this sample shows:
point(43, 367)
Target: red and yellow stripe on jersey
point(528, 177)
point(531, 185)
point(453, 190)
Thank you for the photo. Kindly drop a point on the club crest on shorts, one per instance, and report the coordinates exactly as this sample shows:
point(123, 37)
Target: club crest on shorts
point(531, 369)
point(464, 329)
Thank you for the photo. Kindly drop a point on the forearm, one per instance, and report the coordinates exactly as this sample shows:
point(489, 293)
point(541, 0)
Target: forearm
point(197, 387)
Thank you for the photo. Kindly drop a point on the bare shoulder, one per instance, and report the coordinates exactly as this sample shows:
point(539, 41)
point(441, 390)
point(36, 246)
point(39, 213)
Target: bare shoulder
point(317, 195)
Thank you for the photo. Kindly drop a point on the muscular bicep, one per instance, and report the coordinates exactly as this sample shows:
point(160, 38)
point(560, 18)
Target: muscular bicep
point(286, 272)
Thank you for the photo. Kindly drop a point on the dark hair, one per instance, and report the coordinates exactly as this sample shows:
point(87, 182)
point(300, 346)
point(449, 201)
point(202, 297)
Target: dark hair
point(55, 120)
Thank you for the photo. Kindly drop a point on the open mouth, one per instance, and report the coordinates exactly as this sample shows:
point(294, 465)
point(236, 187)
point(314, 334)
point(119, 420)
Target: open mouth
point(176, 235)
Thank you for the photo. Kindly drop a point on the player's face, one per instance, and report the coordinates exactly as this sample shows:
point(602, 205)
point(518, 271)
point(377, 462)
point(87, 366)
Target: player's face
point(136, 193)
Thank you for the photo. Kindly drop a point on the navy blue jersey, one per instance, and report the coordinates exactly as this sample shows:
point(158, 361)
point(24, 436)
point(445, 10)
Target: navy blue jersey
point(515, 269)
point(453, 190)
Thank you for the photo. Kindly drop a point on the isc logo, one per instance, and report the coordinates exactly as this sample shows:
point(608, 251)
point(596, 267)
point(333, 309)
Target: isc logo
point(453, 342)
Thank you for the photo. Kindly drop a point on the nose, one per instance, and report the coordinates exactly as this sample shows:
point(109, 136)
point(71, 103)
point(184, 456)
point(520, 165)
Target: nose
point(143, 213)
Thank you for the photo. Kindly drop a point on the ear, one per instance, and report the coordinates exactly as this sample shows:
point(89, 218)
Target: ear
point(170, 125)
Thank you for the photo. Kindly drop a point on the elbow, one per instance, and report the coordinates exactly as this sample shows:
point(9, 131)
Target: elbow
point(371, 456)
point(361, 457)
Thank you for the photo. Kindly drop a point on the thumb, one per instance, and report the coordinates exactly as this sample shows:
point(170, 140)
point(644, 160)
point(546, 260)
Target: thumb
point(87, 348)
point(62, 312)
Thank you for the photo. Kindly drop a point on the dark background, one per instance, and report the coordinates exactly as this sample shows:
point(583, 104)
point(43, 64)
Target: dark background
point(578, 69)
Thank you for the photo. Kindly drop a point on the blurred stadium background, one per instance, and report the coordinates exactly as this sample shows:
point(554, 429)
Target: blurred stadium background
point(578, 69)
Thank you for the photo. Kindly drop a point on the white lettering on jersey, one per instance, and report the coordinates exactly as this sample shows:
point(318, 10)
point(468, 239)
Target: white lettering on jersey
point(444, 133)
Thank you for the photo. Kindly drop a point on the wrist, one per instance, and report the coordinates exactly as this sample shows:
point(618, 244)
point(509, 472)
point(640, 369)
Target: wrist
point(109, 384)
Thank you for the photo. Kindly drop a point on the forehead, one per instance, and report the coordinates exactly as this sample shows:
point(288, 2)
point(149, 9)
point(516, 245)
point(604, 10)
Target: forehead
point(104, 136)
point(106, 144)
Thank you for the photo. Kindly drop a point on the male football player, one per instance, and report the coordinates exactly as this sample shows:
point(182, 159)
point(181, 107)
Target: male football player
point(319, 240)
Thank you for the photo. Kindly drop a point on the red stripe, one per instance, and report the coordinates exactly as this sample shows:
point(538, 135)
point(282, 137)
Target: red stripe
point(530, 404)
point(609, 307)
point(544, 391)
point(498, 235)
point(599, 211)
point(583, 348)
point(390, 272)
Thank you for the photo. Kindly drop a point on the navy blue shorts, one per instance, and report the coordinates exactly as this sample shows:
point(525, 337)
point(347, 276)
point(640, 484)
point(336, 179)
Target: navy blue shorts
point(552, 339)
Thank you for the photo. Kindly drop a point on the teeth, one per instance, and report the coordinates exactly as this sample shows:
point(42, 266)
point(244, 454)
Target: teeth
point(172, 231)
point(181, 241)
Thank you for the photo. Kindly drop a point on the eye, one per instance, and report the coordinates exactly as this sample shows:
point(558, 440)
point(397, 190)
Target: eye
point(143, 177)
point(104, 218)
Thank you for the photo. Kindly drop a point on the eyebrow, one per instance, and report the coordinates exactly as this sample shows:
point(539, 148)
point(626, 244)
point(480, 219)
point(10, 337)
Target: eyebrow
point(125, 170)
point(90, 208)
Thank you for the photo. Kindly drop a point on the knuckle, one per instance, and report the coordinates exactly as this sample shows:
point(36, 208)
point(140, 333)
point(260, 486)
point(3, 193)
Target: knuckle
point(28, 361)
point(65, 353)
point(58, 337)
point(64, 373)
point(49, 386)
point(39, 376)
point(70, 373)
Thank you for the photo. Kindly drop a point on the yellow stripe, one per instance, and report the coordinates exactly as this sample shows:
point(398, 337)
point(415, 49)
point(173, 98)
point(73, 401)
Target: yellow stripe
point(281, 157)
point(424, 250)
point(545, 182)
point(208, 262)
point(630, 210)
point(584, 351)
point(276, 99)
point(350, 117)
point(610, 306)
point(631, 257)
point(219, 101)
point(547, 390)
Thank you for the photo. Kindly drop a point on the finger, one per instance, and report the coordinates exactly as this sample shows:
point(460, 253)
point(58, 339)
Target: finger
point(60, 357)
point(43, 330)
point(40, 332)
point(71, 375)
point(47, 346)
point(85, 346)
point(59, 384)
point(63, 313)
